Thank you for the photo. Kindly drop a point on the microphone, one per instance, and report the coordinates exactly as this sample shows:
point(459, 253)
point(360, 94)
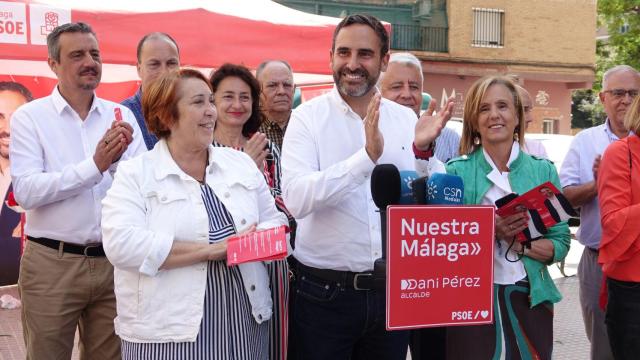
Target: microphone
point(407, 178)
point(419, 188)
point(445, 189)
point(385, 186)
point(385, 191)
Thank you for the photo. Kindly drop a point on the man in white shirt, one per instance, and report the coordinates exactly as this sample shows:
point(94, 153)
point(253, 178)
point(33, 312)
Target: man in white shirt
point(331, 146)
point(12, 96)
point(65, 148)
point(620, 85)
point(402, 83)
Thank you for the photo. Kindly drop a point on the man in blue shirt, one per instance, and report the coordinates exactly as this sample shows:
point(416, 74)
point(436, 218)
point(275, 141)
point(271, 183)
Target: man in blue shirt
point(157, 53)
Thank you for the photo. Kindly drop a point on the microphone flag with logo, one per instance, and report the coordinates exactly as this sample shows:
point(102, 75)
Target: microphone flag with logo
point(445, 189)
point(407, 177)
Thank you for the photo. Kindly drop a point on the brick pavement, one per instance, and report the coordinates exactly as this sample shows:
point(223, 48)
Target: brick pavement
point(11, 341)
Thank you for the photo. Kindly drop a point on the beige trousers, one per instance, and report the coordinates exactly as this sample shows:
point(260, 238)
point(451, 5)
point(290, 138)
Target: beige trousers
point(60, 291)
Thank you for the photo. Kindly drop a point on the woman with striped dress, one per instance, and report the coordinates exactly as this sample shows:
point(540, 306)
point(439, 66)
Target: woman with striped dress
point(237, 98)
point(165, 224)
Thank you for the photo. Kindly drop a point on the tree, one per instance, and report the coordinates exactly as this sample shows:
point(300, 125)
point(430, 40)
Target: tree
point(622, 20)
point(586, 109)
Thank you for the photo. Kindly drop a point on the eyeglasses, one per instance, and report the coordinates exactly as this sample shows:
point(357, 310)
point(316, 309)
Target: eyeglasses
point(620, 93)
point(272, 86)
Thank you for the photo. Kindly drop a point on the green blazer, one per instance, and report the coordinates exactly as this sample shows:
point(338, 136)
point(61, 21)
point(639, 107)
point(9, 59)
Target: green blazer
point(526, 172)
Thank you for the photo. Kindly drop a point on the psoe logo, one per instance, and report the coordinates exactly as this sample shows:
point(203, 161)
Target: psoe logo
point(45, 18)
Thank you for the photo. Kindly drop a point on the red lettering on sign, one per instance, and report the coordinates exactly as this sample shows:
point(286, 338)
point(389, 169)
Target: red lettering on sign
point(11, 27)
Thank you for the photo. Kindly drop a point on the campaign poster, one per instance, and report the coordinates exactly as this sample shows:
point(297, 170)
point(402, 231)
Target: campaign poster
point(439, 266)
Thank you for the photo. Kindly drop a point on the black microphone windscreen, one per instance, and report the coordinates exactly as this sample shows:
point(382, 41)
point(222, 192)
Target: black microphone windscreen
point(385, 185)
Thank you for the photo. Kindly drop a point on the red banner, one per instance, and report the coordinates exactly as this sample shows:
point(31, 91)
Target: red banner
point(209, 33)
point(439, 266)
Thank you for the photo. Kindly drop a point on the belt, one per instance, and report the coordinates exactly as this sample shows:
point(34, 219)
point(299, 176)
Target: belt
point(94, 250)
point(348, 279)
point(597, 251)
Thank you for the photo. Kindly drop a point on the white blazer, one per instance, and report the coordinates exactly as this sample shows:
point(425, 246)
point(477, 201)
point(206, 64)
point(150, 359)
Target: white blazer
point(151, 203)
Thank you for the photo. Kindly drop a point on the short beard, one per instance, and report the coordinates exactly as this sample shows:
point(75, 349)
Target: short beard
point(354, 92)
point(89, 86)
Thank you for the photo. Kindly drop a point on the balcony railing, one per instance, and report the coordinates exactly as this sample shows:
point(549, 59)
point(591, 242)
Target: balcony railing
point(419, 38)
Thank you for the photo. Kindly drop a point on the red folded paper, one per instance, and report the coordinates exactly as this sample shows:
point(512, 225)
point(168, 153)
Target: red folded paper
point(262, 245)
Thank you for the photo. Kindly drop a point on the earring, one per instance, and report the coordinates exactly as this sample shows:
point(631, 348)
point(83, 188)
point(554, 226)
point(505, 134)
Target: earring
point(476, 140)
point(516, 137)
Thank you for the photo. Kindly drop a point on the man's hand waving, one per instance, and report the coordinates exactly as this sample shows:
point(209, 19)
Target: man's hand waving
point(429, 126)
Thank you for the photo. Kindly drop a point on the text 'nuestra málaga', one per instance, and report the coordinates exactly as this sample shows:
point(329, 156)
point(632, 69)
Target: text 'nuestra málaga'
point(421, 239)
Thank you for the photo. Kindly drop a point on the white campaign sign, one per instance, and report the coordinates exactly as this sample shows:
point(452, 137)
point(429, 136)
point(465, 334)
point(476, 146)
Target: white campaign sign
point(44, 19)
point(13, 23)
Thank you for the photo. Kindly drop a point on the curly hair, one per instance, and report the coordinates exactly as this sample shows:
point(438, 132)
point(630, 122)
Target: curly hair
point(241, 72)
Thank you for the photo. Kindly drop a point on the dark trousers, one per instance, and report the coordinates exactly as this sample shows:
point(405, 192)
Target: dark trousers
point(428, 344)
point(332, 320)
point(623, 318)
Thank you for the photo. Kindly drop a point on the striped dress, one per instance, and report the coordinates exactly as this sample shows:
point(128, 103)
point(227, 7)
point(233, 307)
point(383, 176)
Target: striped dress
point(228, 330)
point(279, 269)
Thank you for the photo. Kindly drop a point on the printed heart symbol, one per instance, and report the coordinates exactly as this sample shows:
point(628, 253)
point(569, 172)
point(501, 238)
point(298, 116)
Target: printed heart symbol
point(484, 314)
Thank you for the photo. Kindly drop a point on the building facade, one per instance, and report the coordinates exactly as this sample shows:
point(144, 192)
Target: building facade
point(548, 44)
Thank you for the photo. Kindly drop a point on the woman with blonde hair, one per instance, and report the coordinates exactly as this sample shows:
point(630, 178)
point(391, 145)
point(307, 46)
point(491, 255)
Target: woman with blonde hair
point(494, 165)
point(620, 244)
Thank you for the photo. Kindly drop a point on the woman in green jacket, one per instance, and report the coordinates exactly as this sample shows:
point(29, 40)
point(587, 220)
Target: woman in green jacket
point(493, 166)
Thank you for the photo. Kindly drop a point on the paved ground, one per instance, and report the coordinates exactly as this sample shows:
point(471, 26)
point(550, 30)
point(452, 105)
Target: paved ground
point(570, 338)
point(570, 344)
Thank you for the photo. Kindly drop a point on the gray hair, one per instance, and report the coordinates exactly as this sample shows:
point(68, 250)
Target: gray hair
point(407, 59)
point(264, 64)
point(53, 39)
point(616, 69)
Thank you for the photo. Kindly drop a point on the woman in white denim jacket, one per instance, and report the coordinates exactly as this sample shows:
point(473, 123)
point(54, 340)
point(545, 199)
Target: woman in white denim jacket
point(164, 228)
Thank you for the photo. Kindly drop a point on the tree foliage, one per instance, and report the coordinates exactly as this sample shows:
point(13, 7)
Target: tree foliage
point(586, 109)
point(621, 18)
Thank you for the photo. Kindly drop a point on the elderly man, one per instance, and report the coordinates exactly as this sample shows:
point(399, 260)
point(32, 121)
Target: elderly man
point(620, 85)
point(12, 96)
point(402, 83)
point(332, 144)
point(157, 53)
point(65, 148)
point(276, 81)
